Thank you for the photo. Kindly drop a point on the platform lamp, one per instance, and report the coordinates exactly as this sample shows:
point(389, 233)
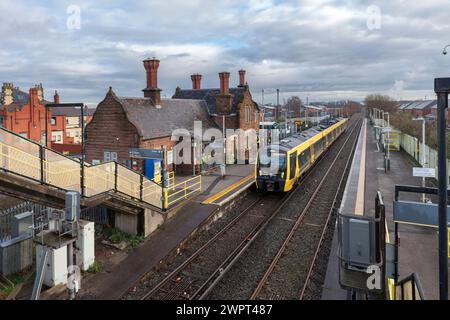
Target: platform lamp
point(69, 105)
point(442, 89)
point(389, 140)
point(423, 151)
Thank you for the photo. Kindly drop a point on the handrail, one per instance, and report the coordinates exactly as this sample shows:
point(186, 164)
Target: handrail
point(60, 174)
point(413, 278)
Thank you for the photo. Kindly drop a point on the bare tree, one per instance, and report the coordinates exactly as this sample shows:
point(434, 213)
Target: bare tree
point(379, 101)
point(293, 105)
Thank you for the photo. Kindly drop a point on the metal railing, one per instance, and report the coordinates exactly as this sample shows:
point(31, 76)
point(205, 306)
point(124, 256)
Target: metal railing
point(183, 190)
point(409, 289)
point(30, 160)
point(40, 217)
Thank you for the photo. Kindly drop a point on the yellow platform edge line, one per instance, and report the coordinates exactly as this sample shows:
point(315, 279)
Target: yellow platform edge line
point(228, 189)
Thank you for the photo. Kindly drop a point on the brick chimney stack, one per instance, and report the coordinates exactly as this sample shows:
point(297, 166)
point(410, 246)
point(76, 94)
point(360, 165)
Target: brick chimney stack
point(241, 78)
point(34, 96)
point(7, 94)
point(196, 81)
point(224, 82)
point(40, 92)
point(56, 97)
point(224, 100)
point(152, 91)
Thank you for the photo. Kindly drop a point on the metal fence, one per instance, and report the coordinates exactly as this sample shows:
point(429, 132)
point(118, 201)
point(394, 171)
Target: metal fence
point(40, 217)
point(415, 149)
point(182, 190)
point(31, 160)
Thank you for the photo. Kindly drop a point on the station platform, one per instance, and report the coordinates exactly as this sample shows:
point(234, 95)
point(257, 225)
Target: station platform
point(418, 251)
point(117, 277)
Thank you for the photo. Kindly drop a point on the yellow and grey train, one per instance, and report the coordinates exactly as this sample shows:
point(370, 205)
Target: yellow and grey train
point(294, 156)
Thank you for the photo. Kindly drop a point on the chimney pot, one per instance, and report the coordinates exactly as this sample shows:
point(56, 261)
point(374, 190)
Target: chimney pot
point(241, 78)
point(56, 97)
point(196, 81)
point(224, 82)
point(152, 91)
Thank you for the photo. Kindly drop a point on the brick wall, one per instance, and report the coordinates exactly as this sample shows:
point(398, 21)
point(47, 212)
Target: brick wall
point(255, 116)
point(110, 130)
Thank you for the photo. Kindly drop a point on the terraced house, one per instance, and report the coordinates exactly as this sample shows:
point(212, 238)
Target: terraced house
point(24, 113)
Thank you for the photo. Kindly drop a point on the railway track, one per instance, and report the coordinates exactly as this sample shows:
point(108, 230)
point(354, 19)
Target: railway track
point(192, 277)
point(240, 279)
point(292, 268)
point(203, 269)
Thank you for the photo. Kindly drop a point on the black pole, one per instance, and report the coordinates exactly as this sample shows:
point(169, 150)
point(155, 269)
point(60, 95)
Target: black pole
point(442, 88)
point(46, 126)
point(163, 180)
point(82, 151)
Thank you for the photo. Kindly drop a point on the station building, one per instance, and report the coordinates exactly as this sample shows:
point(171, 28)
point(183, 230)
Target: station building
point(121, 123)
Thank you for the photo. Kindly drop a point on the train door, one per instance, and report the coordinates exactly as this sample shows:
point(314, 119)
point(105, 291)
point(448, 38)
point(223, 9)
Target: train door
point(292, 167)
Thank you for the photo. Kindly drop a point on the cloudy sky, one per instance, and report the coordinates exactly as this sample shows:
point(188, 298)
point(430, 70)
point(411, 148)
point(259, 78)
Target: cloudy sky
point(324, 49)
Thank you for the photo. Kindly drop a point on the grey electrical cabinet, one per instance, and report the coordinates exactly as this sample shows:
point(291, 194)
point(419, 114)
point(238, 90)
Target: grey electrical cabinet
point(359, 241)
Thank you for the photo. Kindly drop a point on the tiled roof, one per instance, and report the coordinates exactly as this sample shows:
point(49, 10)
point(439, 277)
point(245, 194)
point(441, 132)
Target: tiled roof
point(20, 98)
point(209, 96)
point(71, 111)
point(153, 122)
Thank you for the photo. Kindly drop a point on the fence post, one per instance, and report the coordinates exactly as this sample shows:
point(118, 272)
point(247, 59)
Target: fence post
point(115, 176)
point(140, 188)
point(41, 157)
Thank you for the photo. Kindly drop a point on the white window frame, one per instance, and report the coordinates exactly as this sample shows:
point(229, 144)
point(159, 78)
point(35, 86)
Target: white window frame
point(106, 156)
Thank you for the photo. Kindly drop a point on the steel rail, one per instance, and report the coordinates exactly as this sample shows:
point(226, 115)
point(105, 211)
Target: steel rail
point(199, 251)
point(221, 271)
point(210, 283)
point(299, 220)
point(324, 231)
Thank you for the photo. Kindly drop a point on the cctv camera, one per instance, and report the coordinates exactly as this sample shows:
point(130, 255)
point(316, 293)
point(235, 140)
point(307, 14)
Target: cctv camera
point(444, 52)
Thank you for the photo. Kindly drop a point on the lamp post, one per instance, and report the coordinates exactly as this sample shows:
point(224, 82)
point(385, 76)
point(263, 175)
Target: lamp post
point(422, 151)
point(442, 89)
point(389, 140)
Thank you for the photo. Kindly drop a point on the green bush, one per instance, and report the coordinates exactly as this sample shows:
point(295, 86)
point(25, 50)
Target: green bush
point(117, 236)
point(95, 267)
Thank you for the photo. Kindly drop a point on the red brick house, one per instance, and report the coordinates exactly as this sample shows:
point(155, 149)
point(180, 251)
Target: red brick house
point(121, 123)
point(24, 113)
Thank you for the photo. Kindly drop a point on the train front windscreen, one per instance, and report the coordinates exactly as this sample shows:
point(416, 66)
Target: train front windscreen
point(271, 165)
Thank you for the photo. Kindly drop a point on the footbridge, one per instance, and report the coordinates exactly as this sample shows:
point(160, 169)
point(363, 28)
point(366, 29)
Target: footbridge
point(33, 172)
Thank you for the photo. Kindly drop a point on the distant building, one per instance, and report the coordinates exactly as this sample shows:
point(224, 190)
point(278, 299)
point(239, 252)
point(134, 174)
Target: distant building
point(24, 113)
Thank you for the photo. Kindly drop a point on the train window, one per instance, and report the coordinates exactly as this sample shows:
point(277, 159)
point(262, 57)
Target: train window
point(292, 165)
point(275, 164)
point(304, 158)
point(318, 146)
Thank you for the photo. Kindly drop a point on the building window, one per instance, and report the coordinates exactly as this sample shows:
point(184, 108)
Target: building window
point(247, 116)
point(53, 121)
point(109, 156)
